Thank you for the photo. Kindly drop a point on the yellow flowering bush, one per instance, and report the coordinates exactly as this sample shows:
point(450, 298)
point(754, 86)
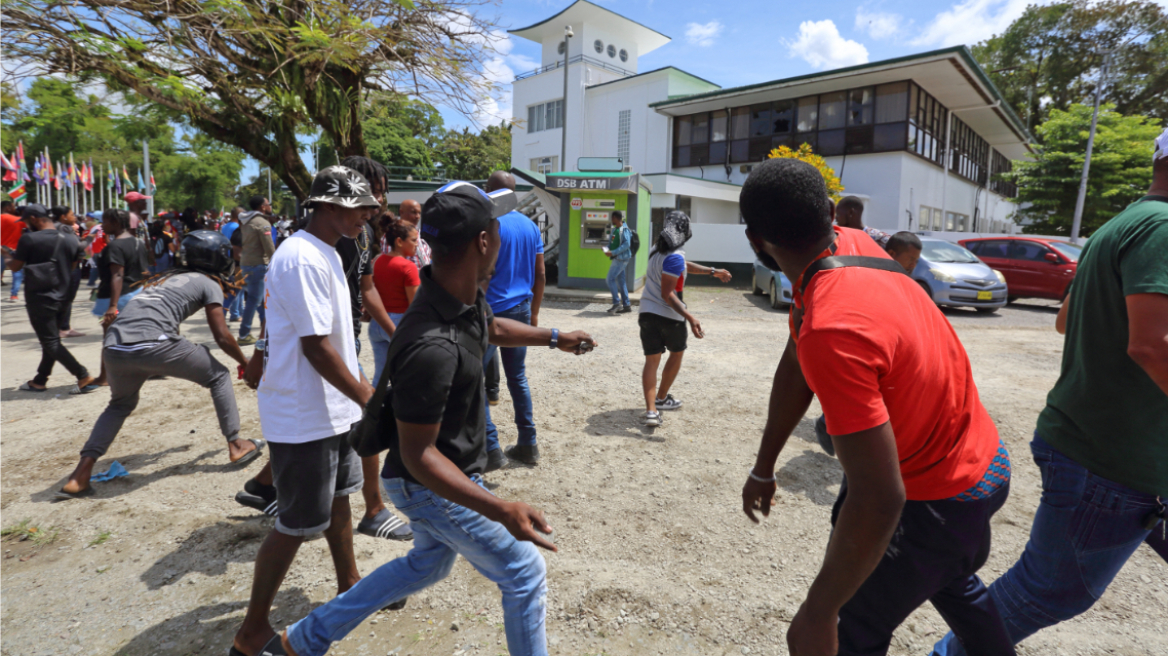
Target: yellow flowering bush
point(834, 188)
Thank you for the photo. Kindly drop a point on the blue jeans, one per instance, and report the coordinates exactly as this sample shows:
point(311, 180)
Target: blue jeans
point(234, 304)
point(617, 271)
point(17, 281)
point(92, 276)
point(379, 340)
point(1084, 531)
point(442, 531)
point(515, 367)
point(161, 263)
point(253, 284)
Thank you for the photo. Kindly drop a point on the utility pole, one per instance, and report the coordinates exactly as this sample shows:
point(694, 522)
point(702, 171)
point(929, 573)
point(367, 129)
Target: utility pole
point(568, 34)
point(149, 190)
point(1077, 224)
point(269, 184)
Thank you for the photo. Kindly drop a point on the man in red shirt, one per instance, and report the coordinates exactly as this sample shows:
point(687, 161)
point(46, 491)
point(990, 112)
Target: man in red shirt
point(924, 467)
point(10, 230)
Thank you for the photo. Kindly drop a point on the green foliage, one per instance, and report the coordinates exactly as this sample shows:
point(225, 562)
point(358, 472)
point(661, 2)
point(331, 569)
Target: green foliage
point(468, 156)
point(1121, 169)
point(1049, 58)
point(205, 178)
point(401, 134)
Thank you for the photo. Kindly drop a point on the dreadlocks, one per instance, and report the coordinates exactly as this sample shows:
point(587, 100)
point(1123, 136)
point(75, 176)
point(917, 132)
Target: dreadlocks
point(228, 283)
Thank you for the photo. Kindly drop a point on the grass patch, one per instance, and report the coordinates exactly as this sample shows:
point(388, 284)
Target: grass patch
point(24, 531)
point(101, 538)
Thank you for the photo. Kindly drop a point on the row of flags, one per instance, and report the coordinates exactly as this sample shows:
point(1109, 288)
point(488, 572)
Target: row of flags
point(64, 174)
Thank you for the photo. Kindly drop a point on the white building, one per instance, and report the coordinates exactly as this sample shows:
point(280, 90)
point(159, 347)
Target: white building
point(881, 126)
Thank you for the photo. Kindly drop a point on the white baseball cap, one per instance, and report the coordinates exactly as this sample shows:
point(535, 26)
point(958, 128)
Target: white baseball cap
point(1161, 150)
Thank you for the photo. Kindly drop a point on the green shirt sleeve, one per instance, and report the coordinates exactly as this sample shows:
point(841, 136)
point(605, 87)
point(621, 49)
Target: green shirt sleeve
point(1143, 267)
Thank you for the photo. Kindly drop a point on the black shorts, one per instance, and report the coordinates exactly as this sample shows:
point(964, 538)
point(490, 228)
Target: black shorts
point(308, 476)
point(659, 333)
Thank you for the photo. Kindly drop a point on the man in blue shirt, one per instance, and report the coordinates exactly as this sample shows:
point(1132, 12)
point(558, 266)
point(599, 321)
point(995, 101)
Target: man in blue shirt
point(620, 251)
point(515, 292)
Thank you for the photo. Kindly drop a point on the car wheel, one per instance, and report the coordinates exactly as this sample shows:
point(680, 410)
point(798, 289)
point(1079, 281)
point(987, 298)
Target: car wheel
point(776, 296)
point(755, 289)
point(925, 286)
point(986, 310)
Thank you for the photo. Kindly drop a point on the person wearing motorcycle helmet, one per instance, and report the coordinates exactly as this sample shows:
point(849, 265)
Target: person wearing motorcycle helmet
point(143, 342)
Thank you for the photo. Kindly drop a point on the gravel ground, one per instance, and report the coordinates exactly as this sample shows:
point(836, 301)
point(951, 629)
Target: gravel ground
point(655, 555)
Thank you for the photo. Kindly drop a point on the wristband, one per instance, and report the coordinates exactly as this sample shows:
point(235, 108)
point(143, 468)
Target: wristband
point(760, 479)
point(555, 338)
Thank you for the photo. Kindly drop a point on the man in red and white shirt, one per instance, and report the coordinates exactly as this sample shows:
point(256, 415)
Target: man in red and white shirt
point(411, 213)
point(924, 467)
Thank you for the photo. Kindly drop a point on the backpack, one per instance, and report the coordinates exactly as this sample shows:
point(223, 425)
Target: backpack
point(634, 242)
point(378, 426)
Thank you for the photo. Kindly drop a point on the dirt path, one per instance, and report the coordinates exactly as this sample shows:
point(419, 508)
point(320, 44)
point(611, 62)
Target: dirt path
point(655, 555)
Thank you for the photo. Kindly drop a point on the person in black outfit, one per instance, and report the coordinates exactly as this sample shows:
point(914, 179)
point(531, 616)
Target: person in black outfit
point(66, 222)
point(47, 257)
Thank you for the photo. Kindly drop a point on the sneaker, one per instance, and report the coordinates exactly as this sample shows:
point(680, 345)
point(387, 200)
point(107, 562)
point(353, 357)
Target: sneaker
point(528, 455)
point(496, 460)
point(493, 399)
point(260, 497)
point(246, 341)
point(668, 403)
point(652, 419)
point(12, 299)
point(614, 309)
point(625, 309)
point(385, 525)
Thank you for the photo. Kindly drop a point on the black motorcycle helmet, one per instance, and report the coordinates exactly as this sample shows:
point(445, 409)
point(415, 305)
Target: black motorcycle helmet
point(208, 251)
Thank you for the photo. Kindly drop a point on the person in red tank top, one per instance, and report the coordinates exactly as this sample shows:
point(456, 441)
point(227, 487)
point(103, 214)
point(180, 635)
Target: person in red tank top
point(397, 280)
point(924, 467)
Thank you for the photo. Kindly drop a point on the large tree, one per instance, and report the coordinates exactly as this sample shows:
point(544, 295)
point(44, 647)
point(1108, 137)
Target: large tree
point(468, 156)
point(1121, 169)
point(256, 74)
point(1051, 56)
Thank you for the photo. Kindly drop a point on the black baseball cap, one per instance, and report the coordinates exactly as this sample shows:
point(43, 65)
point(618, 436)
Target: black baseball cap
point(34, 209)
point(459, 210)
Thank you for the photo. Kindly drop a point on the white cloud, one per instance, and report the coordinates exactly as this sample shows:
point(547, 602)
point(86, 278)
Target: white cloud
point(821, 45)
point(968, 22)
point(703, 35)
point(878, 25)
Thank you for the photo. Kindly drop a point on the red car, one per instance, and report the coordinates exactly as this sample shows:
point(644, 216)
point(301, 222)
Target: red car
point(1034, 267)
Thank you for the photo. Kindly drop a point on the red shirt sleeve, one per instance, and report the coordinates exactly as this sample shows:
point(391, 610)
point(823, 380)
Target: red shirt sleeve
point(411, 273)
point(844, 370)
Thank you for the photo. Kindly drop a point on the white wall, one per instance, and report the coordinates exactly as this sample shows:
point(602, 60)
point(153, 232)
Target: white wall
point(718, 243)
point(705, 210)
point(647, 128)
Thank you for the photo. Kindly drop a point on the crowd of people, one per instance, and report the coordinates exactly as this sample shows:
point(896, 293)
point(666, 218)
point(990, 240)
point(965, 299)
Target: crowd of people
point(456, 284)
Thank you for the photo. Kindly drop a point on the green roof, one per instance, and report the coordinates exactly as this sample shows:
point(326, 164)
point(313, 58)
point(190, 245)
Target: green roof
point(1018, 125)
point(657, 70)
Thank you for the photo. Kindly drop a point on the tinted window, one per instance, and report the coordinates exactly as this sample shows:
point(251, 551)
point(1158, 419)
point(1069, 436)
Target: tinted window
point(998, 249)
point(1028, 250)
point(808, 113)
point(860, 106)
point(760, 120)
point(1069, 251)
point(831, 111)
point(943, 251)
point(783, 115)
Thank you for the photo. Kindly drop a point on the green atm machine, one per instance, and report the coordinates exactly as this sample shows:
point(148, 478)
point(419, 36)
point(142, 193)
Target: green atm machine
point(588, 199)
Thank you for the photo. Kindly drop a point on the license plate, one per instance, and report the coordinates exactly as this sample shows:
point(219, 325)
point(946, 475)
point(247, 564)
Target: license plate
point(985, 296)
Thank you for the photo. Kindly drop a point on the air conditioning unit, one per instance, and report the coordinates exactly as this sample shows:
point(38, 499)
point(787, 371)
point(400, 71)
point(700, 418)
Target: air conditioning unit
point(746, 168)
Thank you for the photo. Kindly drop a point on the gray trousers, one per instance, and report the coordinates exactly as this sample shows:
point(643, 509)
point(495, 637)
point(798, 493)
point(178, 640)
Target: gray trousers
point(127, 371)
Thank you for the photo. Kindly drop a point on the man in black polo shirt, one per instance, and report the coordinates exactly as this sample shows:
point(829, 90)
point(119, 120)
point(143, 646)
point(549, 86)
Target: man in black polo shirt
point(434, 470)
point(47, 256)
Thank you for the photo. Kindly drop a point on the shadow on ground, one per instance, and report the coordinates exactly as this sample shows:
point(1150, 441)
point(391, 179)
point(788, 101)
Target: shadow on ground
point(209, 629)
point(623, 423)
point(209, 550)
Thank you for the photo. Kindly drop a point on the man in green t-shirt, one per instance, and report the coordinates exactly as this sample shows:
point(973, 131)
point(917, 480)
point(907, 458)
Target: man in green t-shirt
point(1102, 440)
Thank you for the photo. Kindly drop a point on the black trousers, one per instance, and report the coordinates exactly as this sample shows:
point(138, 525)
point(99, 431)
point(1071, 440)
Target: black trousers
point(43, 317)
point(492, 374)
point(934, 556)
point(63, 317)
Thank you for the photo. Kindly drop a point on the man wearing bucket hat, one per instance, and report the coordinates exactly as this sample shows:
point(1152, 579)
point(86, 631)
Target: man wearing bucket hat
point(433, 472)
point(664, 314)
point(310, 394)
point(1100, 440)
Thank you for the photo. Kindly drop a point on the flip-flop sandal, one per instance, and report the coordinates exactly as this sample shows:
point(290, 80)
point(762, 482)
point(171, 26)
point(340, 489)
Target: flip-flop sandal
point(27, 387)
point(273, 648)
point(62, 495)
point(77, 389)
point(251, 455)
point(385, 525)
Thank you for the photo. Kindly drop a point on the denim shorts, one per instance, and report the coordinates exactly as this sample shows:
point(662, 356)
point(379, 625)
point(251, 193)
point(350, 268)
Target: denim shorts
point(101, 305)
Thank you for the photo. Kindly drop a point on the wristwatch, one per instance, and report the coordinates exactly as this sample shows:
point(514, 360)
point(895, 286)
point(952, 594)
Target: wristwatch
point(555, 338)
point(261, 345)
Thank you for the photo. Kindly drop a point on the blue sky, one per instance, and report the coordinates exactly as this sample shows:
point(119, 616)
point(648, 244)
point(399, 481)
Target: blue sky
point(738, 42)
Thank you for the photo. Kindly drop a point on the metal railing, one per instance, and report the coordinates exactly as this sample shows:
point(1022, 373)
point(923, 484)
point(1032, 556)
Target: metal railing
point(578, 58)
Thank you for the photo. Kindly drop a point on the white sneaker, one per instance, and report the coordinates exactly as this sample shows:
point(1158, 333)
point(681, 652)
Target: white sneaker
point(652, 419)
point(668, 403)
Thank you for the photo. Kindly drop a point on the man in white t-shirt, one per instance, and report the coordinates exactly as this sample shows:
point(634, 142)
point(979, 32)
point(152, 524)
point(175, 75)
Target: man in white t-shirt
point(310, 395)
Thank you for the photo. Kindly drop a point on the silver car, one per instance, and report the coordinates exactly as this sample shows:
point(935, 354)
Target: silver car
point(773, 284)
point(954, 277)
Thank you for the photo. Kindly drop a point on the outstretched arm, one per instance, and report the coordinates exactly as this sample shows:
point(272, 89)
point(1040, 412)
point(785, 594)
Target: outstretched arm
point(506, 332)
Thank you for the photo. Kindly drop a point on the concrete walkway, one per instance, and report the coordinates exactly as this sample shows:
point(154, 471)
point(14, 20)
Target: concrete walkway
point(554, 293)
